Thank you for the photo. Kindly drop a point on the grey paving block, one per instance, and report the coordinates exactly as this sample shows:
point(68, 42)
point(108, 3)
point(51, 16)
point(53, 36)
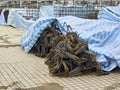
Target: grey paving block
point(28, 72)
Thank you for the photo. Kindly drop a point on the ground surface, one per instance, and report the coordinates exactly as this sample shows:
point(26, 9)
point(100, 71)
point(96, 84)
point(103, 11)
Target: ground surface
point(10, 36)
point(19, 70)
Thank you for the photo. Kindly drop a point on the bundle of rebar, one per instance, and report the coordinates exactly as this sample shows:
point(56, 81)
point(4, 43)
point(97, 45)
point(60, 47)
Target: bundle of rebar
point(70, 57)
point(66, 55)
point(49, 38)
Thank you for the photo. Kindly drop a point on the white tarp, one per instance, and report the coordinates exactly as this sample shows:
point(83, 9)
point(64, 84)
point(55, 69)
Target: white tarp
point(2, 18)
point(16, 20)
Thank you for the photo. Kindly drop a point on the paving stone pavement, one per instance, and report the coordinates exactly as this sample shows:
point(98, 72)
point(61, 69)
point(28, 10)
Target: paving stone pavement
point(28, 72)
point(22, 71)
point(10, 36)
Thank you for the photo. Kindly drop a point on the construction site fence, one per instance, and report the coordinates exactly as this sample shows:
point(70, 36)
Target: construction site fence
point(78, 11)
point(87, 12)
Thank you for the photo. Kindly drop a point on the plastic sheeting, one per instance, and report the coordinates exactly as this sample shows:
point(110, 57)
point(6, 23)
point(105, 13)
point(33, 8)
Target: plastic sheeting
point(16, 20)
point(59, 11)
point(111, 13)
point(11, 20)
point(102, 36)
point(2, 18)
point(21, 22)
point(31, 36)
point(46, 11)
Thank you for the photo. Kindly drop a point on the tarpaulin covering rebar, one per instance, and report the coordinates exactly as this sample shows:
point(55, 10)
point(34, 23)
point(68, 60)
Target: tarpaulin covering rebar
point(21, 22)
point(102, 36)
point(111, 13)
point(2, 18)
point(16, 20)
point(47, 11)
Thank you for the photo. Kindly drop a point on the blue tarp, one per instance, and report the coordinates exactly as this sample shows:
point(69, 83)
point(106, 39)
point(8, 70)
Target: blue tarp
point(103, 37)
point(111, 13)
point(21, 22)
point(15, 19)
point(31, 36)
point(47, 11)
